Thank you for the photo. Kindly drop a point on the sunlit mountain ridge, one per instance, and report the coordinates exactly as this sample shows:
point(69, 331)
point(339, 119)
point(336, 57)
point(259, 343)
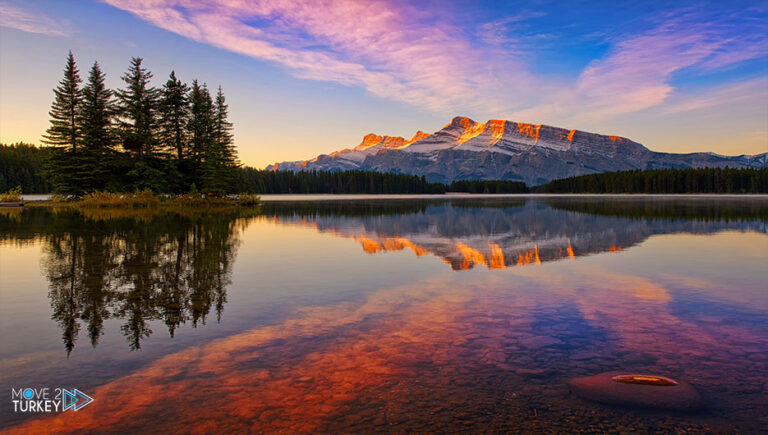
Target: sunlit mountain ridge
point(508, 150)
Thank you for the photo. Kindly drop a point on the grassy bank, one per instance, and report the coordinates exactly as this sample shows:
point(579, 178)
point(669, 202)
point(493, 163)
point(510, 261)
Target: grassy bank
point(147, 200)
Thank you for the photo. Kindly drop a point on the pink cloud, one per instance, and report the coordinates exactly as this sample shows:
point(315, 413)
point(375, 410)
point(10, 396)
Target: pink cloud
point(379, 46)
point(400, 53)
point(30, 21)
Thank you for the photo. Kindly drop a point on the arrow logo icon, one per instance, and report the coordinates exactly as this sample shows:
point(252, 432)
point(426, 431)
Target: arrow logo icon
point(74, 399)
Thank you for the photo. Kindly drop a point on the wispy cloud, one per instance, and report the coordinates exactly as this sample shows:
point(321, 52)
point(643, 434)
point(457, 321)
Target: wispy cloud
point(385, 48)
point(726, 95)
point(638, 71)
point(397, 52)
point(28, 20)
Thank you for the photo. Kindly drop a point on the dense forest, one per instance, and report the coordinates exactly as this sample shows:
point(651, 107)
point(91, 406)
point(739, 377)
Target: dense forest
point(171, 139)
point(703, 180)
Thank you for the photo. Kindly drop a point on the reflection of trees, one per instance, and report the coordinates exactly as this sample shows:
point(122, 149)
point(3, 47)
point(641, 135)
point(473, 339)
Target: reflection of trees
point(168, 267)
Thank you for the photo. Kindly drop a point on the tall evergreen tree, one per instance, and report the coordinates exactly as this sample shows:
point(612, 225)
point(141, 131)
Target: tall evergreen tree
point(174, 110)
point(97, 111)
point(65, 131)
point(220, 155)
point(138, 104)
point(200, 126)
point(222, 130)
point(95, 115)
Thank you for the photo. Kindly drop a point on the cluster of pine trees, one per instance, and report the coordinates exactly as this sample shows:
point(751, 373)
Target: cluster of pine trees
point(702, 180)
point(176, 138)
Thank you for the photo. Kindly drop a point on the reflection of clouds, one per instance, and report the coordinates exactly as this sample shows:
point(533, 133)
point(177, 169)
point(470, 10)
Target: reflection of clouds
point(327, 366)
point(686, 281)
point(300, 389)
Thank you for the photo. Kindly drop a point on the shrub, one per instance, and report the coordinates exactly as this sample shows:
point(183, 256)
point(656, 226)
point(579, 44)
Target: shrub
point(248, 199)
point(13, 195)
point(138, 199)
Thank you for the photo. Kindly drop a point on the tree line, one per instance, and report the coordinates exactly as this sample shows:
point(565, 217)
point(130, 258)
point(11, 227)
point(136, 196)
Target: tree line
point(176, 138)
point(701, 180)
point(488, 186)
point(22, 165)
point(274, 182)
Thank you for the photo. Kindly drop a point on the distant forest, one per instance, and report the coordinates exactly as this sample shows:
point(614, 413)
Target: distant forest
point(703, 180)
point(172, 139)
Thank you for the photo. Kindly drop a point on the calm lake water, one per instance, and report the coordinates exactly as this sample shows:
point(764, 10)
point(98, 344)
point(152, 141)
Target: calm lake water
point(387, 314)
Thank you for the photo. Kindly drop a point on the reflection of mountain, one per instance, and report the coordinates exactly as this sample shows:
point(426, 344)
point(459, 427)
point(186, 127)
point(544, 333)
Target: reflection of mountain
point(165, 268)
point(496, 234)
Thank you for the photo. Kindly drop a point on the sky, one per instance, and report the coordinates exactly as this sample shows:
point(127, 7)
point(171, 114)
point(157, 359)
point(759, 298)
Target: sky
point(310, 77)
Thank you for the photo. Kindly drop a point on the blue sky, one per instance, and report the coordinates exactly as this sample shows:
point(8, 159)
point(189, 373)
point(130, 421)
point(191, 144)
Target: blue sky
point(309, 77)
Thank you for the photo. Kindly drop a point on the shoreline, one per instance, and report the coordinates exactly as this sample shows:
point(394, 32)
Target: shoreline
point(40, 199)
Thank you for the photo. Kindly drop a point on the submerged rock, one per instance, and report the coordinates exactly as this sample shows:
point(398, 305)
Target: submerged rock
point(650, 391)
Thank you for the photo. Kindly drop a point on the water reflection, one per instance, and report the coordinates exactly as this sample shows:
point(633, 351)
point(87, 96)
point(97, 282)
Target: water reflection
point(452, 353)
point(176, 268)
point(485, 349)
point(137, 268)
point(497, 234)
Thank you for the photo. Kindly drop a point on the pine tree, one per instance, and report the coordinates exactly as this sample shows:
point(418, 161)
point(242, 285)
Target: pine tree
point(95, 116)
point(65, 131)
point(200, 127)
point(96, 111)
point(220, 156)
point(222, 130)
point(174, 110)
point(138, 104)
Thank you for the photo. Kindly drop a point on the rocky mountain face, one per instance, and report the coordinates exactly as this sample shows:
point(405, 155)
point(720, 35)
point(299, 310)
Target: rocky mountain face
point(507, 150)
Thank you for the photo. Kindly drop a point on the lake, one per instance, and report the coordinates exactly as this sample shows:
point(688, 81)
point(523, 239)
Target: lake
point(387, 314)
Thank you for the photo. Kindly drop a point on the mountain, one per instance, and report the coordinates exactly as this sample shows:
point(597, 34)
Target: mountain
point(508, 150)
